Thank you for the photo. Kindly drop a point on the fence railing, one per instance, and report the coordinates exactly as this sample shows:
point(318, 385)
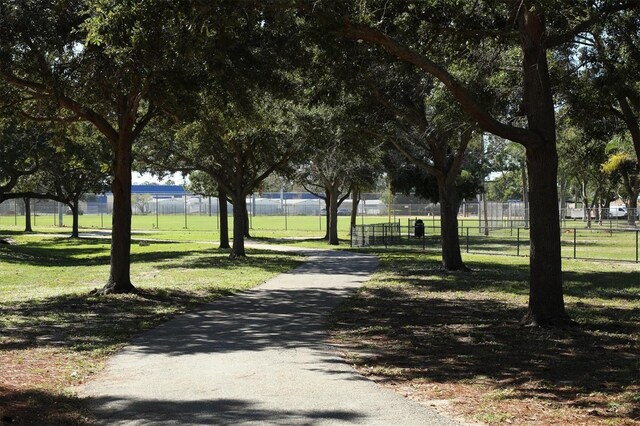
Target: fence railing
point(576, 243)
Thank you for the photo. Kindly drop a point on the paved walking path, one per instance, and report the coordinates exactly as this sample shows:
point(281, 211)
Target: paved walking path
point(259, 357)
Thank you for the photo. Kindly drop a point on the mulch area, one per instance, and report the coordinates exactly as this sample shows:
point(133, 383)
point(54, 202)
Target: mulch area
point(465, 354)
point(33, 383)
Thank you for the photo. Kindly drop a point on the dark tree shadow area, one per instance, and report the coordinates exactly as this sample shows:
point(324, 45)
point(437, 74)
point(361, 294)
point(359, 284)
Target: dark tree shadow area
point(17, 407)
point(460, 328)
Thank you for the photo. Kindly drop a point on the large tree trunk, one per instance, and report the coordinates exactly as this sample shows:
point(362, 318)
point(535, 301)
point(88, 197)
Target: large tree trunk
point(75, 212)
point(333, 218)
point(27, 215)
point(239, 225)
point(119, 274)
point(449, 204)
point(224, 219)
point(546, 302)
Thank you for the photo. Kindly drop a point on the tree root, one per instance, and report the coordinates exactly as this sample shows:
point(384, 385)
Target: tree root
point(110, 288)
point(562, 322)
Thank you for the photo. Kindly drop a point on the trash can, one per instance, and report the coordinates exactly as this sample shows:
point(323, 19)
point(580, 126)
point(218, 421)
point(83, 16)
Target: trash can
point(418, 231)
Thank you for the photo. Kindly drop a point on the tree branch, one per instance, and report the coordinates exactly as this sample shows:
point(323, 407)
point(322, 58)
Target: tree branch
point(482, 117)
point(65, 102)
point(555, 40)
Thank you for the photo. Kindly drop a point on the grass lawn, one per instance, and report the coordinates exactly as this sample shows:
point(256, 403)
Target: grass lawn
point(453, 340)
point(54, 335)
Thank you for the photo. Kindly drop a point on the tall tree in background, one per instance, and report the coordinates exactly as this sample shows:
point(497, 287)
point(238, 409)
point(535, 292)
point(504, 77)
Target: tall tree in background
point(238, 146)
point(79, 164)
point(201, 183)
point(337, 152)
point(605, 86)
point(622, 167)
point(20, 148)
point(428, 129)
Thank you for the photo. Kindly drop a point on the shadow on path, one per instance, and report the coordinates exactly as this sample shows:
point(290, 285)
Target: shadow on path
point(216, 412)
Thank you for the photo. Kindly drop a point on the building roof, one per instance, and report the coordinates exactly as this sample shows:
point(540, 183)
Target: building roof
point(159, 189)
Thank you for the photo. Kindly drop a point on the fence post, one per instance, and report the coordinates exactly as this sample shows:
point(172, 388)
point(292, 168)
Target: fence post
point(518, 243)
point(610, 226)
point(15, 211)
point(185, 211)
point(575, 231)
point(385, 235)
point(467, 240)
point(637, 232)
point(373, 235)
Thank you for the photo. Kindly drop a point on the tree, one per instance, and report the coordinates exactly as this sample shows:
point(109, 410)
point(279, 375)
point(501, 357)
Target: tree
point(606, 83)
point(236, 145)
point(535, 27)
point(430, 132)
point(581, 159)
point(338, 153)
point(20, 145)
point(79, 164)
point(622, 166)
point(201, 183)
point(113, 65)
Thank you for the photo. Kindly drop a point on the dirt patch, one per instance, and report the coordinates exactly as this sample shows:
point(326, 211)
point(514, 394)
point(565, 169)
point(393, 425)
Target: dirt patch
point(32, 383)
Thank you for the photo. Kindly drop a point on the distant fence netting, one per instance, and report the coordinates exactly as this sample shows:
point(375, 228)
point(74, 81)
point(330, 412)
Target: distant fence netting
point(389, 234)
point(376, 234)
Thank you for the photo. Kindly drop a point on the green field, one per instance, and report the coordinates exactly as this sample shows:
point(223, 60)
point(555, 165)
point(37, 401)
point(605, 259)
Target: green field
point(598, 243)
point(197, 227)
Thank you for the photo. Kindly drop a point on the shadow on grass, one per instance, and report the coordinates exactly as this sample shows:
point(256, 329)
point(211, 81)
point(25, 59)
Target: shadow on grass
point(425, 272)
point(83, 252)
point(40, 407)
point(92, 252)
point(218, 258)
point(86, 323)
point(439, 327)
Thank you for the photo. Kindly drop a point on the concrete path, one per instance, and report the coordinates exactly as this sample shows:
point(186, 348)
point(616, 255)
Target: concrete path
point(259, 357)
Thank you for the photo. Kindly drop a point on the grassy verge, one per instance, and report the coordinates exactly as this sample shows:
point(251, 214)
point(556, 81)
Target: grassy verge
point(453, 341)
point(53, 335)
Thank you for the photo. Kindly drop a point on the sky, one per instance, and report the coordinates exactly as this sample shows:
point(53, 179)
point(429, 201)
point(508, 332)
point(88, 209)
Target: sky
point(147, 177)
